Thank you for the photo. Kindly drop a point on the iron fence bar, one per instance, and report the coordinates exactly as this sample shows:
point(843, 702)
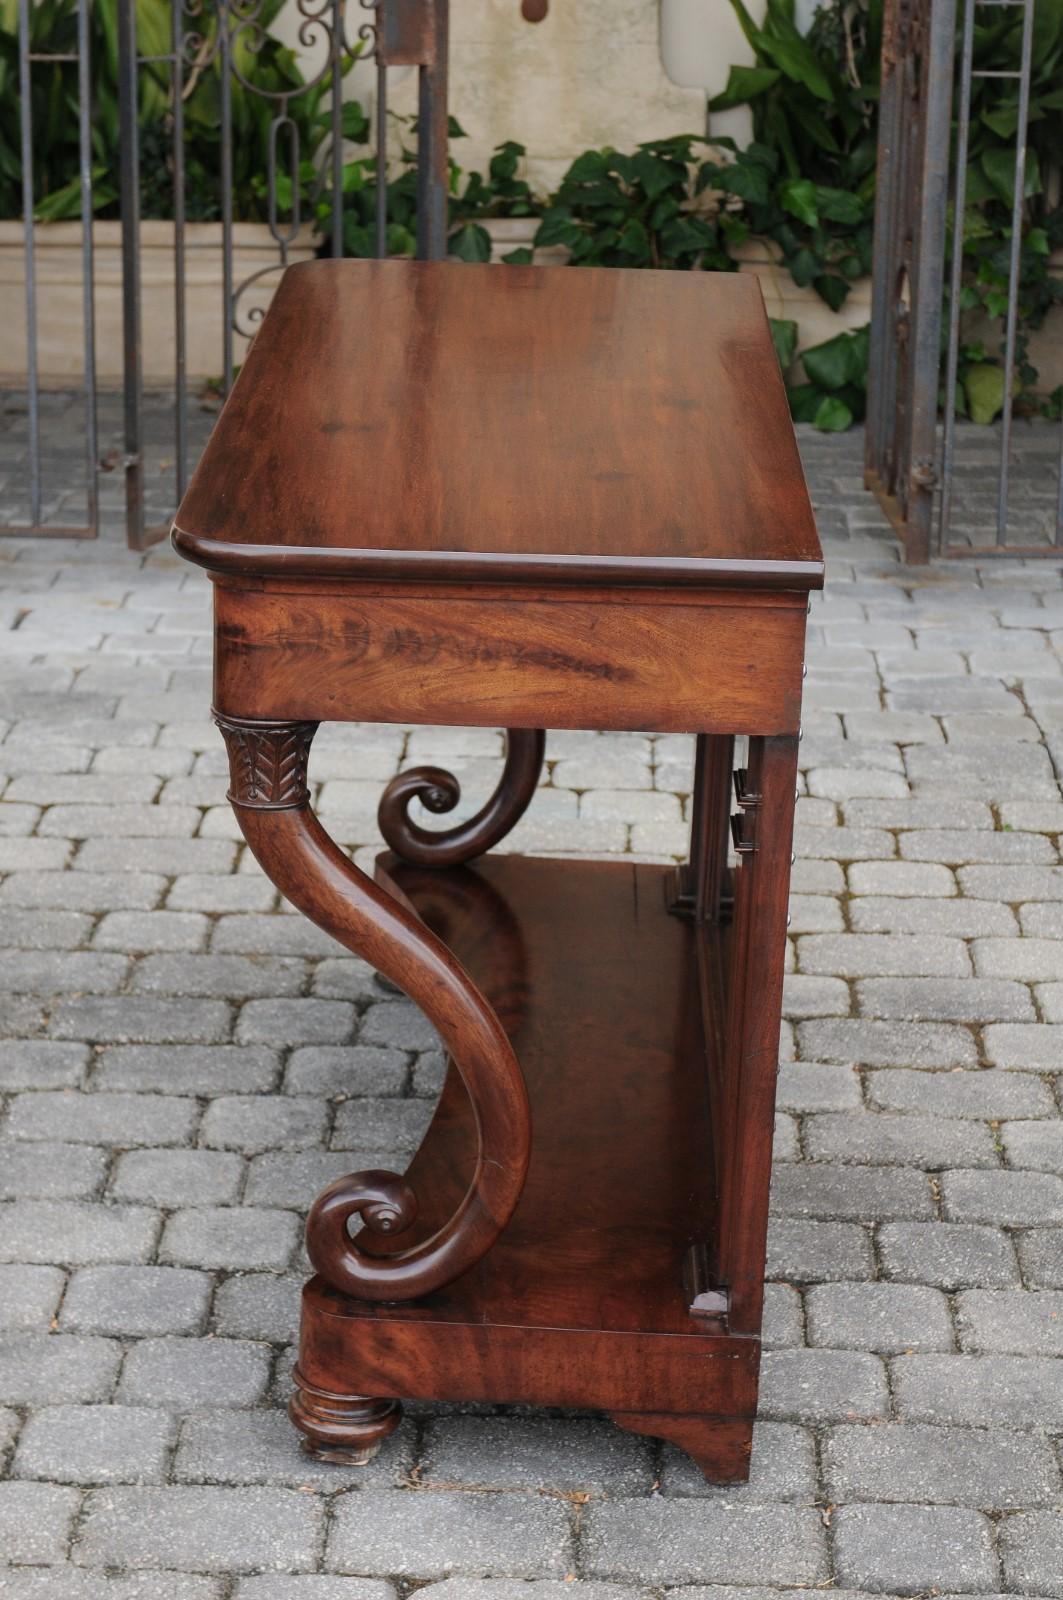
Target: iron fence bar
point(336, 110)
point(959, 211)
point(881, 363)
point(381, 110)
point(929, 271)
point(179, 254)
point(32, 373)
point(129, 190)
point(88, 274)
point(1014, 267)
point(228, 297)
point(432, 127)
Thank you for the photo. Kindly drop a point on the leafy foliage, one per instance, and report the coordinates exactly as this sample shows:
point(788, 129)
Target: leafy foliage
point(639, 210)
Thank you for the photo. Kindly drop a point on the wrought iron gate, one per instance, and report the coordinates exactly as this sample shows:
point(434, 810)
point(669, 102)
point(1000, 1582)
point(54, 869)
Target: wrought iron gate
point(911, 460)
point(220, 38)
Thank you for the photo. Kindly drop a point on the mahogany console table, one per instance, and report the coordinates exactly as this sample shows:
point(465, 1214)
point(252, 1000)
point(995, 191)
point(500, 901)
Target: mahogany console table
point(530, 498)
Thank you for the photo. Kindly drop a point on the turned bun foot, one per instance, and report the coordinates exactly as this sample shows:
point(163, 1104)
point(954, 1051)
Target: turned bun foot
point(345, 1428)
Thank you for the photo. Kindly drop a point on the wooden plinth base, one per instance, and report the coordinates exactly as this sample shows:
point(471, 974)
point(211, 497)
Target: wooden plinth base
point(584, 1300)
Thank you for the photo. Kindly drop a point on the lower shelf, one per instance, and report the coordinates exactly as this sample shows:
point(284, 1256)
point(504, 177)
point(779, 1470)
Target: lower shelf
point(582, 1301)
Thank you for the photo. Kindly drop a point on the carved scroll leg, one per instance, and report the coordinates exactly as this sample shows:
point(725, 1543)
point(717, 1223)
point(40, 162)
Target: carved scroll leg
point(271, 800)
point(345, 1428)
point(439, 791)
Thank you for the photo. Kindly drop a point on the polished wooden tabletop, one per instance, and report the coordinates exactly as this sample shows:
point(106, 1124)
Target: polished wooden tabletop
point(397, 419)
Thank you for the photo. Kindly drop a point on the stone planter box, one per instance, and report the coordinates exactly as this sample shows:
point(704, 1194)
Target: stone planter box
point(60, 341)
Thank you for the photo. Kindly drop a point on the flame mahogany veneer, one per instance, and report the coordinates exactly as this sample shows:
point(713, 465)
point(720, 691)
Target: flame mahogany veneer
point(529, 498)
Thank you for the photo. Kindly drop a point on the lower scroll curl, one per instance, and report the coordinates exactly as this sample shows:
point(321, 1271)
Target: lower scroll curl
point(439, 791)
point(270, 797)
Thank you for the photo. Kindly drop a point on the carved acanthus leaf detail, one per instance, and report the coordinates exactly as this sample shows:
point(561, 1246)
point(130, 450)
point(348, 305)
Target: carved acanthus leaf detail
point(267, 762)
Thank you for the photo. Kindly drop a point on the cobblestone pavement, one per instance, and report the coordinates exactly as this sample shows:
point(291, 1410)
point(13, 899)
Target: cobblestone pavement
point(185, 1064)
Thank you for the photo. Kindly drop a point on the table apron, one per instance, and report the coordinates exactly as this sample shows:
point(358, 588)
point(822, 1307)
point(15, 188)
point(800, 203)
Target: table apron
point(721, 667)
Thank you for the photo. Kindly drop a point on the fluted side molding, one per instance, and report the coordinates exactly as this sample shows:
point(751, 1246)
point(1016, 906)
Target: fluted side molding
point(439, 791)
point(317, 877)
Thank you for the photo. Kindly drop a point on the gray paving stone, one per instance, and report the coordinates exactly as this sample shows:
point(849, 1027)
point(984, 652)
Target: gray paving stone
point(858, 1041)
point(295, 1022)
point(41, 1064)
point(1035, 1145)
point(817, 1086)
point(259, 1305)
point(855, 1193)
point(855, 955)
point(819, 1386)
point(950, 1255)
point(943, 1466)
point(783, 1326)
point(346, 978)
point(263, 1447)
point(698, 1541)
point(429, 1534)
point(248, 934)
point(188, 1068)
point(328, 1069)
point(368, 1124)
point(187, 1373)
point(36, 1520)
point(536, 1453)
point(151, 930)
point(946, 999)
point(985, 1094)
point(200, 891)
point(979, 1391)
point(782, 1468)
point(1014, 1321)
point(95, 1444)
point(1012, 884)
point(885, 1139)
point(1041, 1255)
point(295, 1179)
point(316, 1586)
point(399, 1024)
point(1002, 1197)
point(102, 1118)
point(814, 997)
point(200, 1529)
point(956, 847)
point(131, 821)
point(905, 878)
point(135, 1301)
point(958, 918)
point(910, 1549)
point(1032, 1552)
point(811, 1252)
point(231, 977)
point(174, 857)
point(51, 1172)
point(884, 1317)
point(73, 1233)
point(251, 1123)
point(73, 1583)
point(1024, 1046)
point(83, 891)
point(29, 1296)
point(173, 1178)
point(215, 1237)
point(44, 1368)
point(46, 930)
point(131, 1019)
point(62, 972)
